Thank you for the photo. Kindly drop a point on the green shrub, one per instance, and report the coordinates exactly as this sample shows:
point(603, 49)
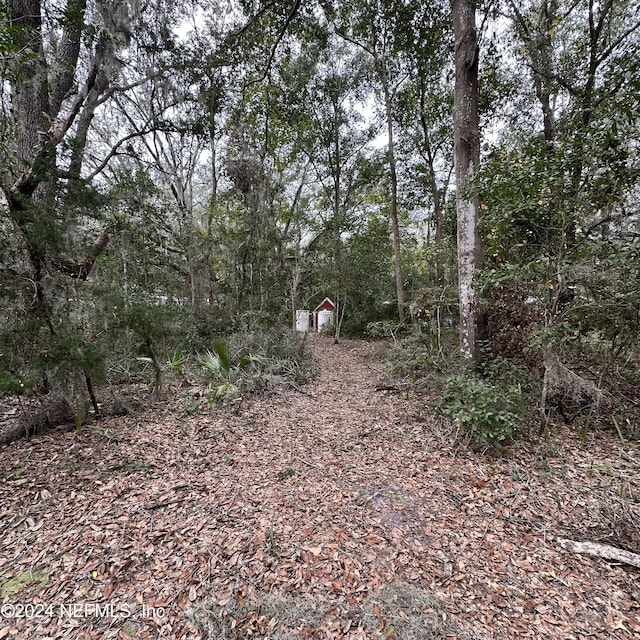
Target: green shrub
point(10, 385)
point(229, 377)
point(416, 356)
point(382, 329)
point(252, 361)
point(489, 413)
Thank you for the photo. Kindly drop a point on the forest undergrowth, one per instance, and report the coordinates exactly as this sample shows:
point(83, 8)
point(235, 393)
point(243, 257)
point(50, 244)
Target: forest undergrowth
point(343, 508)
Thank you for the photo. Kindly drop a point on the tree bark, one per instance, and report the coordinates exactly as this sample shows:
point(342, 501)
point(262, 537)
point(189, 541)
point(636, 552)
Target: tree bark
point(66, 58)
point(467, 159)
point(95, 96)
point(393, 186)
point(544, 84)
point(436, 194)
point(538, 40)
point(604, 551)
point(30, 102)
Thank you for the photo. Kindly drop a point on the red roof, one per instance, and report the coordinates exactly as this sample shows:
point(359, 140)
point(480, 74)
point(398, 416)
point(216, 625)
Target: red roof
point(326, 305)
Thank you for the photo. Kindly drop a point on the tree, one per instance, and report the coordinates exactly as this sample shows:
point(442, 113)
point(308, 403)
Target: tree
point(536, 27)
point(335, 140)
point(423, 114)
point(467, 160)
point(372, 27)
point(559, 194)
point(62, 63)
point(44, 50)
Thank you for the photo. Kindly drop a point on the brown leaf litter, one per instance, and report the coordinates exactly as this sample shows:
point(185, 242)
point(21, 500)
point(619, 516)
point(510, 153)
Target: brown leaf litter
point(335, 511)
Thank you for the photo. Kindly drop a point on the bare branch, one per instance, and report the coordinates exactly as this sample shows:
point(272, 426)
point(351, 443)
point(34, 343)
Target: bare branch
point(115, 150)
point(80, 270)
point(276, 44)
point(614, 45)
point(604, 551)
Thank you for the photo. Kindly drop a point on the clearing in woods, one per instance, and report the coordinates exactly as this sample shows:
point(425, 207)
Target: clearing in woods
point(335, 511)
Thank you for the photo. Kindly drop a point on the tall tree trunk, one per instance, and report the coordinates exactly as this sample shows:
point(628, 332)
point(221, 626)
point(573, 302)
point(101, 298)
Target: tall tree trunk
point(436, 194)
point(213, 205)
point(393, 182)
point(337, 212)
point(467, 159)
point(377, 48)
point(30, 101)
point(543, 81)
point(536, 32)
point(94, 99)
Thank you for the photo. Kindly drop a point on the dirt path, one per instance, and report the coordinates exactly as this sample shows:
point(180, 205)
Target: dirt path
point(337, 511)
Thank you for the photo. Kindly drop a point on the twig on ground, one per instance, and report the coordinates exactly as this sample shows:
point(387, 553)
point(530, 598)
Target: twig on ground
point(603, 551)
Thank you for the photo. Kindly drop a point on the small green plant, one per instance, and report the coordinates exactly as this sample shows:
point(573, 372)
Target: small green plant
point(487, 412)
point(215, 363)
point(221, 392)
point(582, 429)
point(557, 498)
point(177, 361)
point(272, 543)
point(287, 473)
point(79, 416)
point(28, 581)
point(129, 465)
point(618, 429)
point(230, 377)
point(252, 361)
point(382, 329)
point(628, 428)
point(11, 384)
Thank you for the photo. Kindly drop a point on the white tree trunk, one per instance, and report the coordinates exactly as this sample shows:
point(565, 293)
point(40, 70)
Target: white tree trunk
point(467, 265)
point(467, 158)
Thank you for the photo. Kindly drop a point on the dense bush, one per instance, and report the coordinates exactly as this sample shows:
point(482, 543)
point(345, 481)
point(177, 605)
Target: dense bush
point(489, 412)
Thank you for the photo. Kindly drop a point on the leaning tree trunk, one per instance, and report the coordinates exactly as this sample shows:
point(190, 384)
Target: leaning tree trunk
point(44, 106)
point(467, 159)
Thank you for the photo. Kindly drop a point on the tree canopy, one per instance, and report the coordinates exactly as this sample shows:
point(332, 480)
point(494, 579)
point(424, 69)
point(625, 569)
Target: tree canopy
point(173, 170)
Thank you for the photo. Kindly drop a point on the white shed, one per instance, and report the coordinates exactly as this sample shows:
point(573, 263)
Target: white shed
point(324, 314)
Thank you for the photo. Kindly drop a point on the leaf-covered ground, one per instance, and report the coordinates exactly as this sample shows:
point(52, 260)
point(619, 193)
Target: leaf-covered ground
point(335, 511)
